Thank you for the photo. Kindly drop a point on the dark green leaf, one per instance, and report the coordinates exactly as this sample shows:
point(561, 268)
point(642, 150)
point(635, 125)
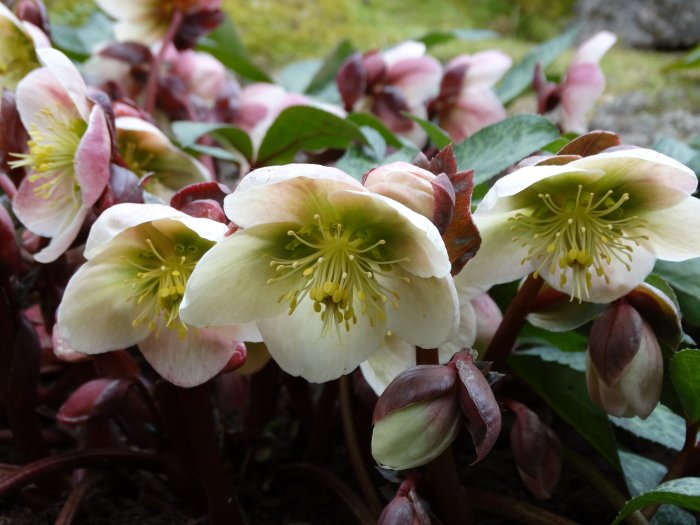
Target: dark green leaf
point(326, 73)
point(685, 375)
point(566, 341)
point(367, 119)
point(494, 148)
point(79, 42)
point(230, 137)
point(684, 277)
point(683, 492)
point(676, 149)
point(437, 135)
point(564, 389)
point(519, 78)
point(663, 426)
point(440, 37)
point(305, 128)
point(689, 60)
point(224, 44)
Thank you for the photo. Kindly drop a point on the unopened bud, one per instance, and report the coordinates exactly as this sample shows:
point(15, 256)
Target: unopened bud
point(416, 418)
point(405, 508)
point(488, 318)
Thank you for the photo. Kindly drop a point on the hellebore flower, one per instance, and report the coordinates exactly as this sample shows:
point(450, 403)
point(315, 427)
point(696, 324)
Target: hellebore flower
point(17, 48)
point(150, 154)
point(326, 268)
point(139, 260)
point(584, 82)
point(69, 153)
point(466, 102)
point(592, 228)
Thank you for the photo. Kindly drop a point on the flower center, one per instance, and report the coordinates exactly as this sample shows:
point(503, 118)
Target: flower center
point(17, 55)
point(339, 270)
point(52, 153)
point(162, 271)
point(580, 236)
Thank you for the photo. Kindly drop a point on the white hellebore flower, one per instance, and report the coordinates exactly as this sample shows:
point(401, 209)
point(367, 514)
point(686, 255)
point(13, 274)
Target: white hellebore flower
point(139, 259)
point(592, 228)
point(326, 268)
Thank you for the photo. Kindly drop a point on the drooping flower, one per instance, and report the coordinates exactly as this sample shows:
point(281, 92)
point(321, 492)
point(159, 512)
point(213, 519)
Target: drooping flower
point(17, 48)
point(326, 268)
point(69, 152)
point(139, 260)
point(466, 102)
point(150, 154)
point(584, 82)
point(592, 228)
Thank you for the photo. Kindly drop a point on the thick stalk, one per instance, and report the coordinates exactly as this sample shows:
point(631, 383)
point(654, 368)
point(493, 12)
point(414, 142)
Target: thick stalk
point(152, 84)
point(357, 461)
point(442, 473)
point(200, 426)
point(513, 320)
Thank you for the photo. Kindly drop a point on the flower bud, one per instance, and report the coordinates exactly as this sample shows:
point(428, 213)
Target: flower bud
point(624, 368)
point(405, 508)
point(537, 451)
point(488, 318)
point(416, 188)
point(416, 418)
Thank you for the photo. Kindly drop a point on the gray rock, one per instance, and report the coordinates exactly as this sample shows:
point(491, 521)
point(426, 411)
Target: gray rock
point(655, 24)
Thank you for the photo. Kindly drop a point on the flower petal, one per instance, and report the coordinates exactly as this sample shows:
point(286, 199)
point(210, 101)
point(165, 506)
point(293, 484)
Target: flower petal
point(583, 86)
point(67, 76)
point(323, 357)
point(671, 236)
point(428, 311)
point(593, 49)
point(229, 284)
point(92, 157)
point(389, 360)
point(38, 92)
point(475, 109)
point(67, 232)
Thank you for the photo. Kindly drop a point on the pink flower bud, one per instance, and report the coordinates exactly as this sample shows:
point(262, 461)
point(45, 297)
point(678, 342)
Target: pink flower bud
point(624, 369)
point(416, 418)
point(488, 318)
point(405, 508)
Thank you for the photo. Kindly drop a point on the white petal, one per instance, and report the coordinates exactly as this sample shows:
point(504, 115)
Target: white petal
point(39, 91)
point(96, 314)
point(229, 284)
point(67, 232)
point(297, 344)
point(465, 336)
point(486, 68)
point(428, 312)
point(193, 359)
point(673, 234)
point(403, 51)
point(593, 49)
point(284, 193)
point(391, 358)
point(67, 76)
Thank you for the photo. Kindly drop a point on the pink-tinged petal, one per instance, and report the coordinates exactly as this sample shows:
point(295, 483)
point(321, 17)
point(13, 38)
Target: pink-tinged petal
point(389, 360)
point(299, 346)
point(193, 359)
point(63, 351)
point(284, 193)
point(67, 232)
point(229, 284)
point(417, 78)
point(498, 259)
point(487, 68)
point(581, 89)
point(644, 168)
point(474, 110)
point(38, 36)
point(407, 233)
point(671, 231)
point(428, 312)
point(68, 78)
point(403, 51)
point(593, 49)
point(92, 169)
point(36, 92)
point(96, 314)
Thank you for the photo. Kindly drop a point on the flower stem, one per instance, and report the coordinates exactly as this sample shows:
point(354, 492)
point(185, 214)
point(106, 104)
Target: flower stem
point(514, 509)
point(442, 473)
point(152, 84)
point(513, 320)
point(356, 459)
point(200, 425)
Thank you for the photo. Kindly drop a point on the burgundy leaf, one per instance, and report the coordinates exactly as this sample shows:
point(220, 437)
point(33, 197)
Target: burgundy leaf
point(10, 258)
point(451, 83)
point(13, 136)
point(95, 399)
point(591, 143)
point(462, 238)
point(444, 162)
point(660, 312)
point(132, 53)
point(199, 191)
point(444, 195)
point(34, 12)
point(478, 405)
point(389, 105)
point(195, 25)
point(557, 160)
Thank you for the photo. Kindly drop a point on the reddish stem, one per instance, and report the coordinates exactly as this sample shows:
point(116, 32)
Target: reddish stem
point(72, 505)
point(152, 84)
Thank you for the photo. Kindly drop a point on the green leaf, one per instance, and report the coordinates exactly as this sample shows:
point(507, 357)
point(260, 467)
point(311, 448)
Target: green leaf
point(230, 137)
point(564, 389)
point(663, 426)
point(305, 128)
point(493, 148)
point(685, 375)
point(367, 119)
point(326, 73)
point(437, 135)
point(225, 45)
point(375, 142)
point(684, 277)
point(78, 42)
point(519, 78)
point(683, 492)
point(643, 474)
point(566, 341)
point(689, 60)
point(676, 149)
point(440, 37)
